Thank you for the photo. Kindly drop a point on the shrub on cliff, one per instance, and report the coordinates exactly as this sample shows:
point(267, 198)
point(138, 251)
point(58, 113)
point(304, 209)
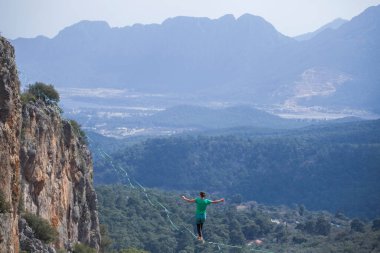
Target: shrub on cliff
point(27, 97)
point(38, 90)
point(4, 205)
point(78, 130)
point(41, 227)
point(82, 248)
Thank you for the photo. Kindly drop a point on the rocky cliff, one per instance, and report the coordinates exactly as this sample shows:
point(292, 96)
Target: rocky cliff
point(10, 122)
point(46, 168)
point(56, 175)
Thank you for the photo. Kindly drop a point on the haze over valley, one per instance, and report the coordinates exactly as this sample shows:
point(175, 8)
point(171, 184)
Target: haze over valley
point(113, 80)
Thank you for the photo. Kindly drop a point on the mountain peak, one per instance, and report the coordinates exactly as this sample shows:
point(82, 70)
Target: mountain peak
point(250, 17)
point(335, 24)
point(184, 20)
point(227, 18)
point(372, 9)
point(85, 26)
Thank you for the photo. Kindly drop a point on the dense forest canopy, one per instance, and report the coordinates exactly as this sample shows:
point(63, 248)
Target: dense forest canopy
point(331, 167)
point(138, 219)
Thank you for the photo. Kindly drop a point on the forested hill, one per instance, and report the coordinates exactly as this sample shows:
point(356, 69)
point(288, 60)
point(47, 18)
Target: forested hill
point(133, 221)
point(331, 167)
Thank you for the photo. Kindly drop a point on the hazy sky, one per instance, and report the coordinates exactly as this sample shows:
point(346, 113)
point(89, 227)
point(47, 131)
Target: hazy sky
point(29, 18)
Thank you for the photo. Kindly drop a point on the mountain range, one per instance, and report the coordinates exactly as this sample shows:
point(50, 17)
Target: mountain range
point(243, 59)
point(335, 24)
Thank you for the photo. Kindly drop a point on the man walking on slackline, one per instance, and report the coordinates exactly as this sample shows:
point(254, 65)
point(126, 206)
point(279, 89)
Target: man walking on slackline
point(200, 215)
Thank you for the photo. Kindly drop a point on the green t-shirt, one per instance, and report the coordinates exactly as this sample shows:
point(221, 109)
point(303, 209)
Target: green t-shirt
point(202, 205)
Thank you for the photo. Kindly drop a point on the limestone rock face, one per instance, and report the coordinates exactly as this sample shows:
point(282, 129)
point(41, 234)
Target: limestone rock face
point(45, 169)
point(56, 170)
point(10, 123)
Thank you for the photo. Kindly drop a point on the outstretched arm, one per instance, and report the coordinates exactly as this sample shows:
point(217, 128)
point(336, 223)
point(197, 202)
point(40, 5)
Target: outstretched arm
point(217, 201)
point(188, 200)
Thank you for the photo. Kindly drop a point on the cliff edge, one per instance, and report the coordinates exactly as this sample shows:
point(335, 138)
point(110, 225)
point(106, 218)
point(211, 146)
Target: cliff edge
point(46, 170)
point(10, 124)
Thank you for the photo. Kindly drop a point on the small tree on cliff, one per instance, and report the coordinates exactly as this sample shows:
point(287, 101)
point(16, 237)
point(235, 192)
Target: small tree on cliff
point(83, 248)
point(78, 130)
point(41, 227)
point(39, 90)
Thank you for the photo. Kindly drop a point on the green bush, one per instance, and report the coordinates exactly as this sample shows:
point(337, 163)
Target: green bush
point(78, 130)
point(106, 242)
point(41, 227)
point(83, 248)
point(38, 90)
point(322, 226)
point(5, 207)
point(27, 97)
